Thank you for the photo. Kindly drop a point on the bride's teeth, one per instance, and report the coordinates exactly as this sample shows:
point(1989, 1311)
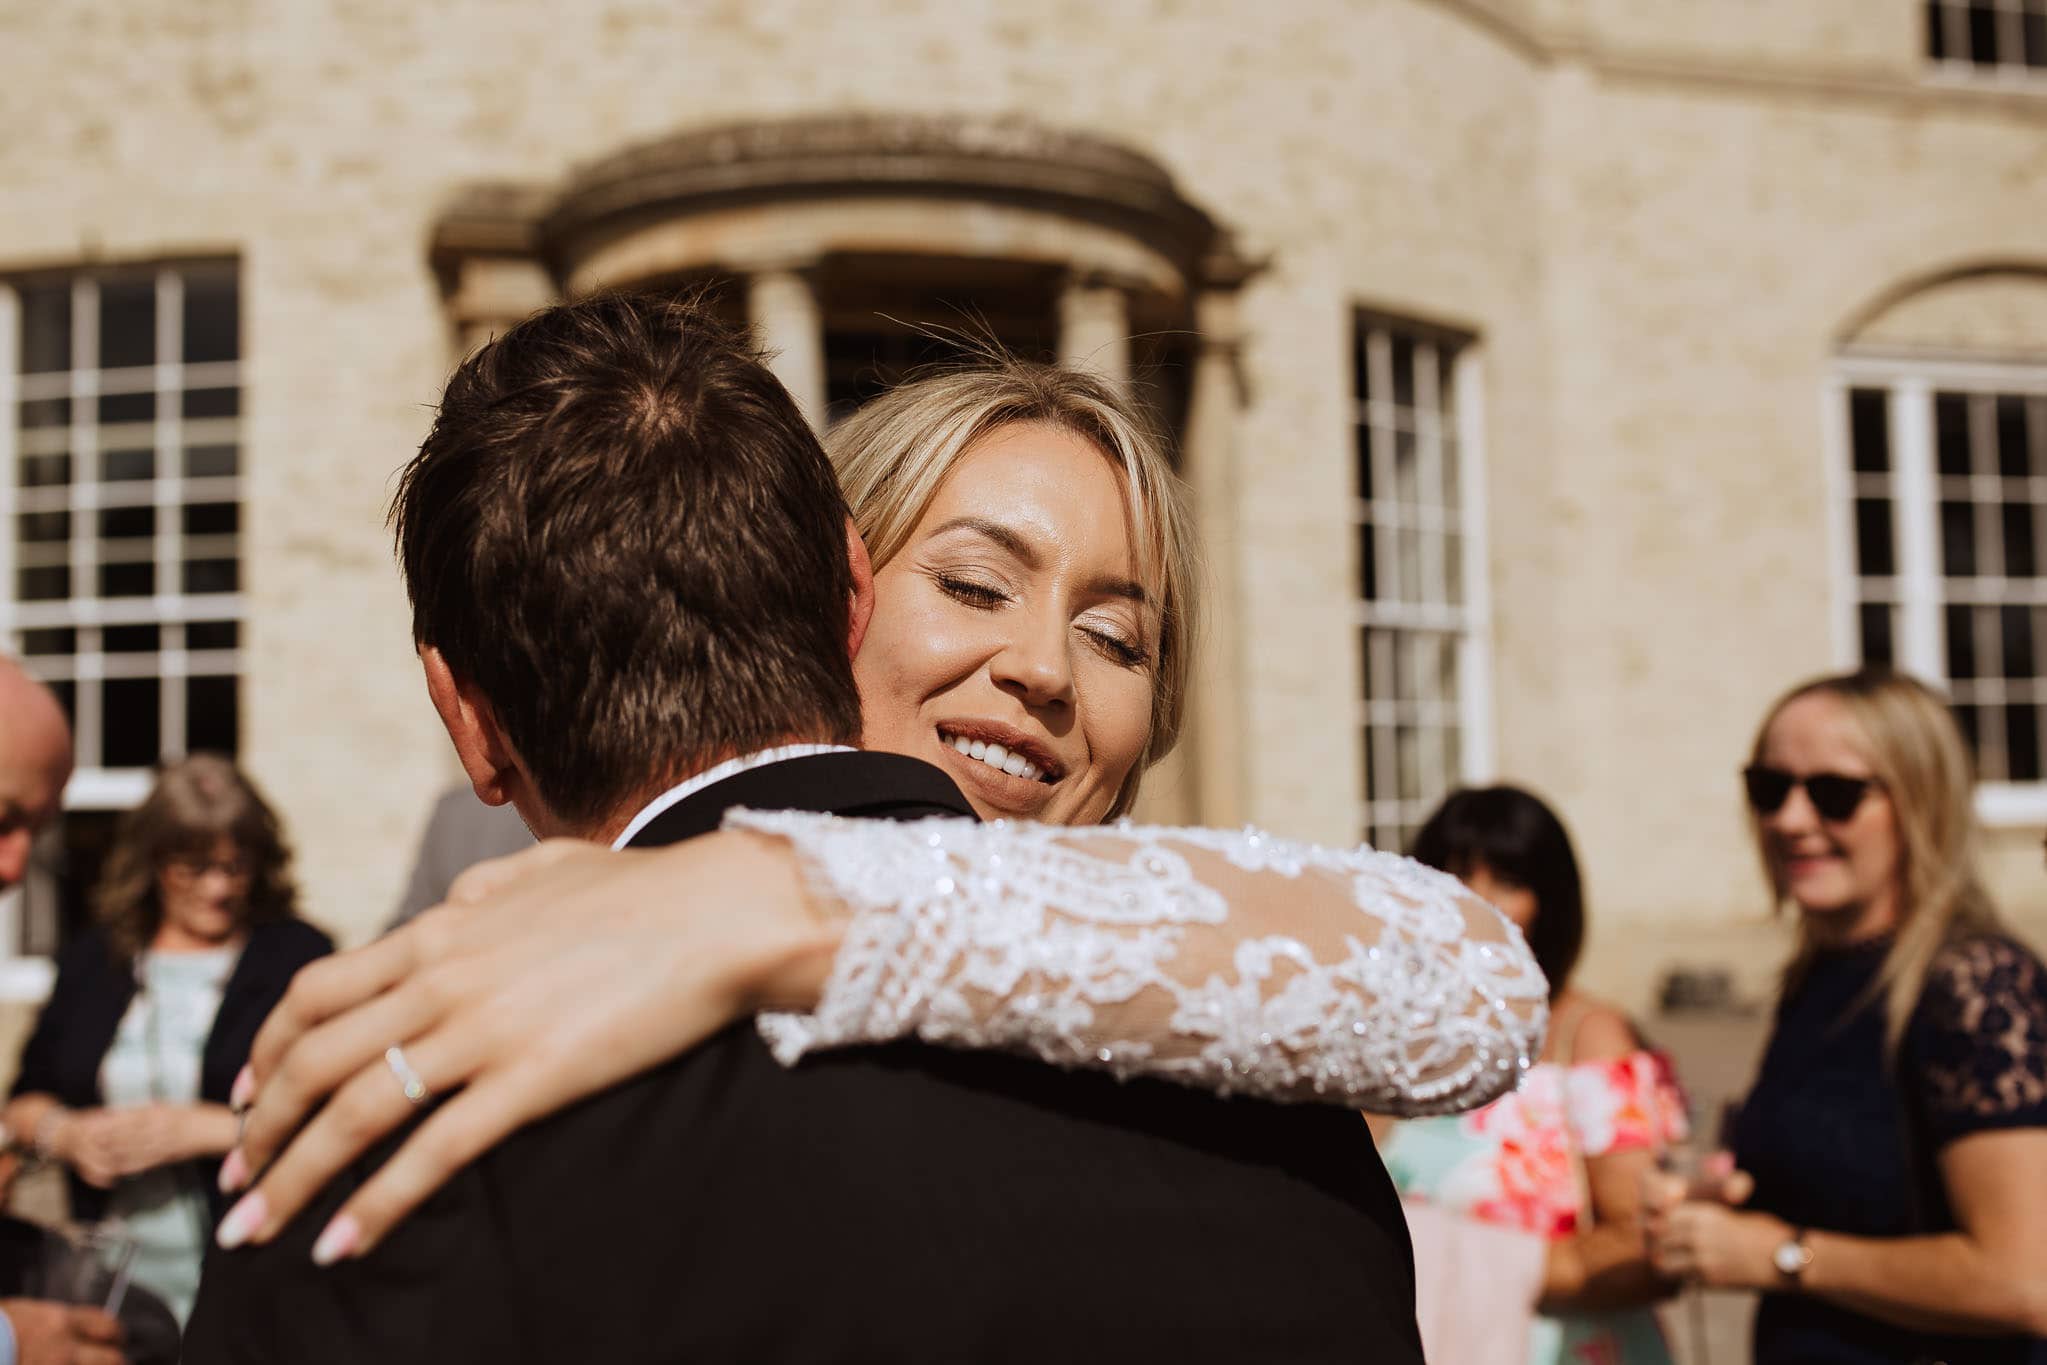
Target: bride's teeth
point(995, 756)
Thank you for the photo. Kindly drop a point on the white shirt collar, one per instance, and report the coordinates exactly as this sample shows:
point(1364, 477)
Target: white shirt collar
point(690, 786)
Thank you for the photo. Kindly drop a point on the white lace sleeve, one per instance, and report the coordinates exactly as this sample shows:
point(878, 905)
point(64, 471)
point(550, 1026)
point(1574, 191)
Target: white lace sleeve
point(1231, 961)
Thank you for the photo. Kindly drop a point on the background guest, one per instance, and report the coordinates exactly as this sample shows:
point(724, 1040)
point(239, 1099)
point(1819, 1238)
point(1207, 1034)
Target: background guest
point(1562, 1158)
point(35, 763)
point(460, 833)
point(1896, 1134)
point(126, 1077)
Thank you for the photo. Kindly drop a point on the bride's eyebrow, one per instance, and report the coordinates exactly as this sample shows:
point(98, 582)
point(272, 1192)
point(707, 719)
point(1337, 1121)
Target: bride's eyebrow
point(1023, 552)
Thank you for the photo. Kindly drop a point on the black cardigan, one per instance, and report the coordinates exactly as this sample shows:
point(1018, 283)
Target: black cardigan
point(76, 1029)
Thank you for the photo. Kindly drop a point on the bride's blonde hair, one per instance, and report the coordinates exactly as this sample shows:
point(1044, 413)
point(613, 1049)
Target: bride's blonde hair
point(893, 454)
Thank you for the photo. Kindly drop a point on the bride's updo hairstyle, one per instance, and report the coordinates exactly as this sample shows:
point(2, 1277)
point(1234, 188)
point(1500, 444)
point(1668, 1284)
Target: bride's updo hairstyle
point(893, 454)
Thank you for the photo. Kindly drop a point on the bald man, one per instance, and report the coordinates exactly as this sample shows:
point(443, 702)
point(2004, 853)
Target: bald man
point(35, 763)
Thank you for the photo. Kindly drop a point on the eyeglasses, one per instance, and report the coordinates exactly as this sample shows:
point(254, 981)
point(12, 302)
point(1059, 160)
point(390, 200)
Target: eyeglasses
point(234, 869)
point(1833, 795)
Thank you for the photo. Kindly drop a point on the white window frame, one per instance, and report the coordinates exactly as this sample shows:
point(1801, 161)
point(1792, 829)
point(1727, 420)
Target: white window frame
point(94, 787)
point(1472, 621)
point(1954, 18)
point(1920, 642)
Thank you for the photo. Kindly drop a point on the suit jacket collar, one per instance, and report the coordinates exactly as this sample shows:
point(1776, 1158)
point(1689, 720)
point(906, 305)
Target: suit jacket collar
point(869, 785)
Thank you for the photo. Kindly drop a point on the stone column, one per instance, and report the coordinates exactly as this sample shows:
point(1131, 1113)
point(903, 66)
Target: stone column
point(492, 292)
point(1209, 463)
point(1094, 326)
point(782, 305)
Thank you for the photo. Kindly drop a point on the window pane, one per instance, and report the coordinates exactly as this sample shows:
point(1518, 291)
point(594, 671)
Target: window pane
point(212, 402)
point(127, 323)
point(45, 328)
point(131, 639)
point(212, 519)
point(1360, 367)
point(119, 522)
point(132, 723)
point(1936, 31)
point(1873, 550)
point(211, 575)
point(47, 583)
point(115, 408)
point(1961, 644)
point(1368, 563)
point(45, 471)
point(212, 715)
point(1965, 717)
point(37, 413)
point(1958, 539)
point(1951, 433)
point(212, 635)
point(1869, 430)
point(43, 526)
point(120, 465)
point(2022, 742)
point(55, 640)
point(1877, 648)
point(2013, 461)
point(210, 462)
point(1983, 32)
point(127, 580)
point(2020, 557)
point(2035, 25)
point(1403, 370)
point(2016, 630)
point(1364, 484)
point(212, 319)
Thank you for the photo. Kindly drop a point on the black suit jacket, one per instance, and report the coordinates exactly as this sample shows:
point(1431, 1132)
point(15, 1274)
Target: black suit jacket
point(901, 1203)
point(94, 989)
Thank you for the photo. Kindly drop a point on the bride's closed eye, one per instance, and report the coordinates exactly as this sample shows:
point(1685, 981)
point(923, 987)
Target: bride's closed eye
point(970, 591)
point(1115, 644)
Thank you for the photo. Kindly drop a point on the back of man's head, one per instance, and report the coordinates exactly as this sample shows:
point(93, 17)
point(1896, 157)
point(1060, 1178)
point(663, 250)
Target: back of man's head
point(35, 762)
point(624, 535)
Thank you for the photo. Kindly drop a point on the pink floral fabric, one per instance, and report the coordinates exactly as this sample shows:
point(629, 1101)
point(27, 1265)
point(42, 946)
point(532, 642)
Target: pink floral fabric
point(1516, 1162)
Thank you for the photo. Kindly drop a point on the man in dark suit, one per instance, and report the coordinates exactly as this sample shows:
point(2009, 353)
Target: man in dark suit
point(614, 492)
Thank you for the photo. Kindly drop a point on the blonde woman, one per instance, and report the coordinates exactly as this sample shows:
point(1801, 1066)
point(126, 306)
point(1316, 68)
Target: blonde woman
point(1896, 1135)
point(1032, 603)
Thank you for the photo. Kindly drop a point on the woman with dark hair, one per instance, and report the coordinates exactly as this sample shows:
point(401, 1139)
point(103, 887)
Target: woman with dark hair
point(1561, 1159)
point(125, 1079)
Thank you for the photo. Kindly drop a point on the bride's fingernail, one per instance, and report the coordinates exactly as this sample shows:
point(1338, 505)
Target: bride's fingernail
point(337, 1240)
point(244, 1089)
point(242, 1220)
point(234, 1171)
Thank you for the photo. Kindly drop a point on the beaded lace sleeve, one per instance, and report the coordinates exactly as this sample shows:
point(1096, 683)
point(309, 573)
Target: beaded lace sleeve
point(1230, 961)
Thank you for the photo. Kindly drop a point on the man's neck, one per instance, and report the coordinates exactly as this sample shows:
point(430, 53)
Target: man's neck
point(634, 811)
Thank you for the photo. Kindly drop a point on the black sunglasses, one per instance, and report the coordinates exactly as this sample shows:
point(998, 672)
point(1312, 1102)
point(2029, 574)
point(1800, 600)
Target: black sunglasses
point(1835, 797)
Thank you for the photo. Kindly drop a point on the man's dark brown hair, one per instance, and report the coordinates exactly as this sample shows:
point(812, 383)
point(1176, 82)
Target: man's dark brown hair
point(624, 534)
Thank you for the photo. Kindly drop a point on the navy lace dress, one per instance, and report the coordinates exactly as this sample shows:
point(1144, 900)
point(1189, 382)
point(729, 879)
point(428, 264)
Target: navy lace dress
point(1837, 1143)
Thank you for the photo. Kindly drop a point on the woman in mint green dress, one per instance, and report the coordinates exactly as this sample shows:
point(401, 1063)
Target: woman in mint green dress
point(1561, 1158)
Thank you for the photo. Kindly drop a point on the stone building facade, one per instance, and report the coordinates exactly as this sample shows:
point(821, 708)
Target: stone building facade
point(1558, 379)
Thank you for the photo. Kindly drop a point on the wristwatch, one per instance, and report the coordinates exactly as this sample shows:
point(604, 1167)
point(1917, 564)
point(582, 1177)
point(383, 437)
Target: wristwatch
point(1792, 1256)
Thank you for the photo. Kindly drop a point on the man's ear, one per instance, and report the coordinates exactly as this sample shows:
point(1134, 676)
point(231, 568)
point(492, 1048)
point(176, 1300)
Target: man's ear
point(481, 746)
point(861, 609)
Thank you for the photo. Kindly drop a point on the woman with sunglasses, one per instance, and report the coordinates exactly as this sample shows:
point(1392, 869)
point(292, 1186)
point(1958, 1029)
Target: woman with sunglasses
point(1892, 1154)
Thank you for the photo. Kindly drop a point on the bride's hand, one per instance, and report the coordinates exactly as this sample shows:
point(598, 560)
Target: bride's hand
point(548, 976)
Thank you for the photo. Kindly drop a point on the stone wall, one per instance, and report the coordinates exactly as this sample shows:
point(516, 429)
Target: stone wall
point(1658, 222)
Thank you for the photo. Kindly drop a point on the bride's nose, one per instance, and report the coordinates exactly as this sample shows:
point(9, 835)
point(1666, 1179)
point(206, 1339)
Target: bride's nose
point(1035, 664)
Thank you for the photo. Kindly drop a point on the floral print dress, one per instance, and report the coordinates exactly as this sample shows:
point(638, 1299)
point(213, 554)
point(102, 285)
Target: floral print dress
point(1519, 1163)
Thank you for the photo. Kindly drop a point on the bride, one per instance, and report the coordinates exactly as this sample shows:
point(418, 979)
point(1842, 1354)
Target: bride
point(1031, 634)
